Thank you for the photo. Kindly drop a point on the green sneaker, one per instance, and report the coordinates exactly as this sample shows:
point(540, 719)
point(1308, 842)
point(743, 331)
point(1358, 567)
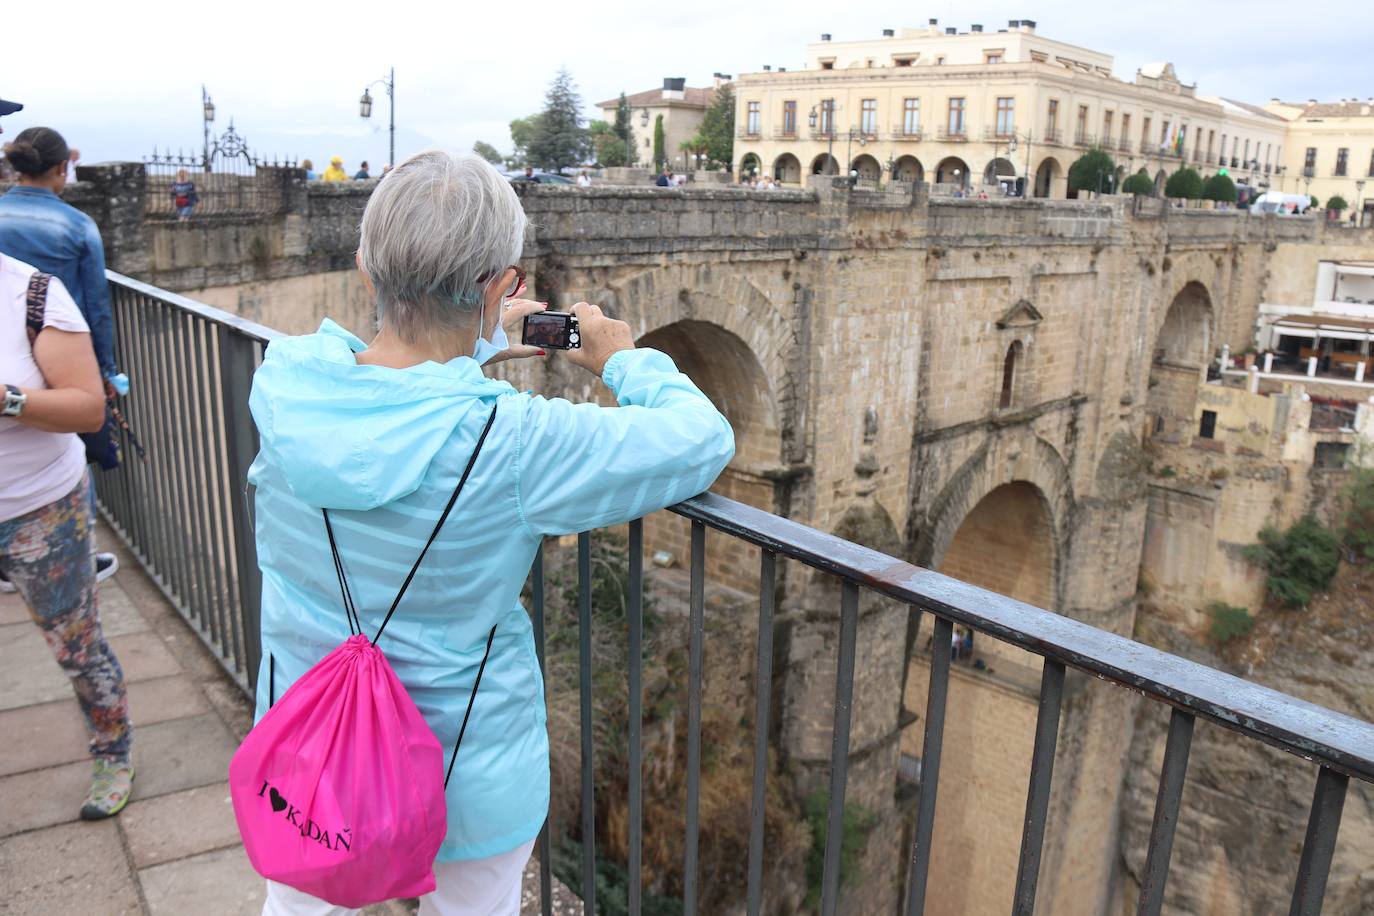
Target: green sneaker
point(110, 788)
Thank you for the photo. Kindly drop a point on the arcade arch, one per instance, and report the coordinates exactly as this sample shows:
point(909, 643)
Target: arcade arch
point(1181, 352)
point(908, 168)
point(825, 164)
point(1047, 177)
point(787, 169)
point(867, 167)
point(952, 170)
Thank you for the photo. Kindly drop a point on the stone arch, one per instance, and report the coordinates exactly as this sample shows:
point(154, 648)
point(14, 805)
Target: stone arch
point(1047, 176)
point(1007, 459)
point(952, 170)
point(1121, 174)
point(825, 164)
point(1160, 178)
point(909, 168)
point(1182, 349)
point(749, 164)
point(867, 167)
point(787, 169)
point(999, 170)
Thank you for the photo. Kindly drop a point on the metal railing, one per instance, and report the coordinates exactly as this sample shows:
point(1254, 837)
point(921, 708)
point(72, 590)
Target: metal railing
point(239, 185)
point(185, 516)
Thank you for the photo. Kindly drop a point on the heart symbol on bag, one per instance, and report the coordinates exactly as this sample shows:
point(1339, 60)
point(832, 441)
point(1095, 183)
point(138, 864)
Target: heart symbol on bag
point(278, 803)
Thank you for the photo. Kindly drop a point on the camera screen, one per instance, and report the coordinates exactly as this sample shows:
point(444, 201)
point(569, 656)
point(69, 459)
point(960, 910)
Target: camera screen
point(546, 331)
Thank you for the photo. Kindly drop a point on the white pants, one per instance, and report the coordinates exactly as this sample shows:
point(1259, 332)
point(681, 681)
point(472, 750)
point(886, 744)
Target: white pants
point(480, 887)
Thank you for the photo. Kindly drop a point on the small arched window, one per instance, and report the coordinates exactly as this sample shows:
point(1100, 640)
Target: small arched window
point(1009, 374)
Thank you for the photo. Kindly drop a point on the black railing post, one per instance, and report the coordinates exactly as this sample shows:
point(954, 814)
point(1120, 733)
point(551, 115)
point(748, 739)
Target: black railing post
point(636, 714)
point(1171, 778)
point(584, 644)
point(1038, 798)
point(696, 638)
point(1319, 845)
point(936, 692)
point(763, 693)
point(545, 854)
point(839, 747)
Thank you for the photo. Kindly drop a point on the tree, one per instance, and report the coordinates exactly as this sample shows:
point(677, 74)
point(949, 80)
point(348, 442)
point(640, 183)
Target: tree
point(559, 139)
point(660, 155)
point(623, 129)
point(522, 130)
point(695, 146)
point(717, 131)
point(1315, 203)
point(607, 147)
point(1093, 171)
point(1337, 203)
point(1139, 183)
point(1219, 188)
point(1186, 184)
point(488, 152)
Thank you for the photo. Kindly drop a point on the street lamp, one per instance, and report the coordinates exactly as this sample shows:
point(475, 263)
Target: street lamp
point(207, 115)
point(365, 106)
point(849, 150)
point(1359, 190)
point(811, 119)
point(1011, 148)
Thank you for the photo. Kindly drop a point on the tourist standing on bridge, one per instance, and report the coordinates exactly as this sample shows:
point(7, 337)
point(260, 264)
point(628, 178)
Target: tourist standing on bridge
point(378, 436)
point(335, 172)
point(51, 389)
point(40, 229)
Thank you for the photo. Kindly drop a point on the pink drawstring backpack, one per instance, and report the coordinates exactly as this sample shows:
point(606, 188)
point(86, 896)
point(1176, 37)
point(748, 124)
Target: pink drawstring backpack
point(339, 789)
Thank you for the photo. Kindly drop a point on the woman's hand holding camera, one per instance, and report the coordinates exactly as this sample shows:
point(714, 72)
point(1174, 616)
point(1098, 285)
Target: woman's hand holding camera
point(602, 338)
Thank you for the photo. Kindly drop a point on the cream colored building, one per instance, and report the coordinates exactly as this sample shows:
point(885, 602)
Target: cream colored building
point(966, 109)
point(1330, 150)
point(682, 107)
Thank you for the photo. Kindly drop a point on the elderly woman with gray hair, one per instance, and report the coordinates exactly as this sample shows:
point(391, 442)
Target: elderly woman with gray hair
point(378, 435)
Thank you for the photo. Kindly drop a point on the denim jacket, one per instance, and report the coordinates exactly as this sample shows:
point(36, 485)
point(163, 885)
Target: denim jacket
point(37, 227)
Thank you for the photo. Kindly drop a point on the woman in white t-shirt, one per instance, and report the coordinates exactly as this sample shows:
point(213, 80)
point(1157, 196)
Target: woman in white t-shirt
point(52, 390)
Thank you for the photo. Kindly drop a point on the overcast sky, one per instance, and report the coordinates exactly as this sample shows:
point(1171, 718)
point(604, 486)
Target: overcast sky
point(118, 84)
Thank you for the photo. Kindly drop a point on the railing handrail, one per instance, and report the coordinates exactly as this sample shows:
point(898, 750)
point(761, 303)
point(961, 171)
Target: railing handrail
point(251, 329)
point(1335, 740)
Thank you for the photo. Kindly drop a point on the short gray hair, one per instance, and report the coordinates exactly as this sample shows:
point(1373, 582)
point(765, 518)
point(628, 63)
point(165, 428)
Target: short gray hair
point(436, 228)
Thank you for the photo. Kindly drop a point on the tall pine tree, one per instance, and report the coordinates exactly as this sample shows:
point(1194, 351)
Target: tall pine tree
point(558, 138)
point(623, 129)
point(717, 133)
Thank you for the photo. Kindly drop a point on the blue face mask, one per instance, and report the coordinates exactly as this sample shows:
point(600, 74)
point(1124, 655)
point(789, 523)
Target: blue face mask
point(485, 349)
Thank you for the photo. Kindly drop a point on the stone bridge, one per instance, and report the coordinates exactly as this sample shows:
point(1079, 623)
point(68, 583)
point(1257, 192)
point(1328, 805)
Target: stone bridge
point(964, 384)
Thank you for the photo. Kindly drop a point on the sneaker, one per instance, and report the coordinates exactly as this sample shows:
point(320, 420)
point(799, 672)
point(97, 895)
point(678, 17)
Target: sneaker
point(110, 788)
point(6, 585)
point(106, 565)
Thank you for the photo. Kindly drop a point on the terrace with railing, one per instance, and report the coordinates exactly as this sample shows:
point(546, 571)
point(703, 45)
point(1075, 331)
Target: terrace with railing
point(185, 516)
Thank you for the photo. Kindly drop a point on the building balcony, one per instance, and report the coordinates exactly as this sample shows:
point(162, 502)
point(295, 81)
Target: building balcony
point(783, 133)
point(901, 134)
point(1124, 146)
point(1053, 137)
point(1308, 171)
point(821, 133)
point(744, 133)
point(957, 135)
point(998, 135)
point(1083, 139)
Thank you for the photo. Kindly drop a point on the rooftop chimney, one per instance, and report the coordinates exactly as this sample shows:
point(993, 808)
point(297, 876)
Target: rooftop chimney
point(782, 69)
point(951, 30)
point(1013, 23)
point(825, 36)
point(934, 22)
point(975, 28)
point(673, 87)
point(888, 33)
point(767, 68)
point(1029, 23)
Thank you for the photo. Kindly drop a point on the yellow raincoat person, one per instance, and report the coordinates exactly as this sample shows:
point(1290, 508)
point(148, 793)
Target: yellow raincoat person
point(335, 172)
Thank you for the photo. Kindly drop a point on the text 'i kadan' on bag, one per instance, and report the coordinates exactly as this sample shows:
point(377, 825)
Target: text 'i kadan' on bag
point(339, 790)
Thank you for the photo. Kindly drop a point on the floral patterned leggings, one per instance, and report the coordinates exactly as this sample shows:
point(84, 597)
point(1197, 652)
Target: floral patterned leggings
point(47, 555)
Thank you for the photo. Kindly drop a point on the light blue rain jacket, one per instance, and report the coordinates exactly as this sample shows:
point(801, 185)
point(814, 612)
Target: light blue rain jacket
point(382, 449)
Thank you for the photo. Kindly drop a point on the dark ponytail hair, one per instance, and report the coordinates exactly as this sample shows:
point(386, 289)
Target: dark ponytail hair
point(36, 150)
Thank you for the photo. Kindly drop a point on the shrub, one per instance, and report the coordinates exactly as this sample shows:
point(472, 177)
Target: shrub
point(660, 154)
point(1185, 184)
point(1300, 561)
point(1315, 203)
point(1229, 621)
point(1093, 171)
point(1337, 203)
point(1358, 529)
point(1139, 183)
point(854, 839)
point(1219, 188)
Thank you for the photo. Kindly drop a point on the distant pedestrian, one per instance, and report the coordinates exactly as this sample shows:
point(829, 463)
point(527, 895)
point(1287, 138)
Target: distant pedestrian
point(665, 179)
point(529, 173)
point(309, 170)
point(71, 164)
point(51, 390)
point(335, 172)
point(184, 196)
point(584, 180)
point(678, 180)
point(361, 174)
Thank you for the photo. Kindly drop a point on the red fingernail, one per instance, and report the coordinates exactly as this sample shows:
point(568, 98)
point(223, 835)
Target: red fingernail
point(542, 353)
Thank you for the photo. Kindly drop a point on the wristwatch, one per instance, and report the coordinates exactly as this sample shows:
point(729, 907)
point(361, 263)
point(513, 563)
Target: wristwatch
point(14, 402)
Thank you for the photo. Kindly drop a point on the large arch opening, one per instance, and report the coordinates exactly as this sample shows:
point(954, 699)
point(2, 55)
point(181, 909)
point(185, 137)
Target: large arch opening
point(908, 168)
point(1180, 356)
point(726, 370)
point(825, 164)
point(1047, 177)
point(787, 169)
point(1001, 173)
point(952, 171)
point(867, 167)
point(749, 165)
point(1006, 544)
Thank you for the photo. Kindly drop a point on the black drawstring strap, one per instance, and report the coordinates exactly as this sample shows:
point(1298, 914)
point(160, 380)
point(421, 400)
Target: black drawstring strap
point(349, 607)
point(491, 637)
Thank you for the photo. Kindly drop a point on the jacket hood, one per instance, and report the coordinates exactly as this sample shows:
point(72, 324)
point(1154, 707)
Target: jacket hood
point(347, 436)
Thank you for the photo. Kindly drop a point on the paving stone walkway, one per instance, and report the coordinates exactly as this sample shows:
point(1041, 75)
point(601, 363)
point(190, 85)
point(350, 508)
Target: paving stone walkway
point(175, 849)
